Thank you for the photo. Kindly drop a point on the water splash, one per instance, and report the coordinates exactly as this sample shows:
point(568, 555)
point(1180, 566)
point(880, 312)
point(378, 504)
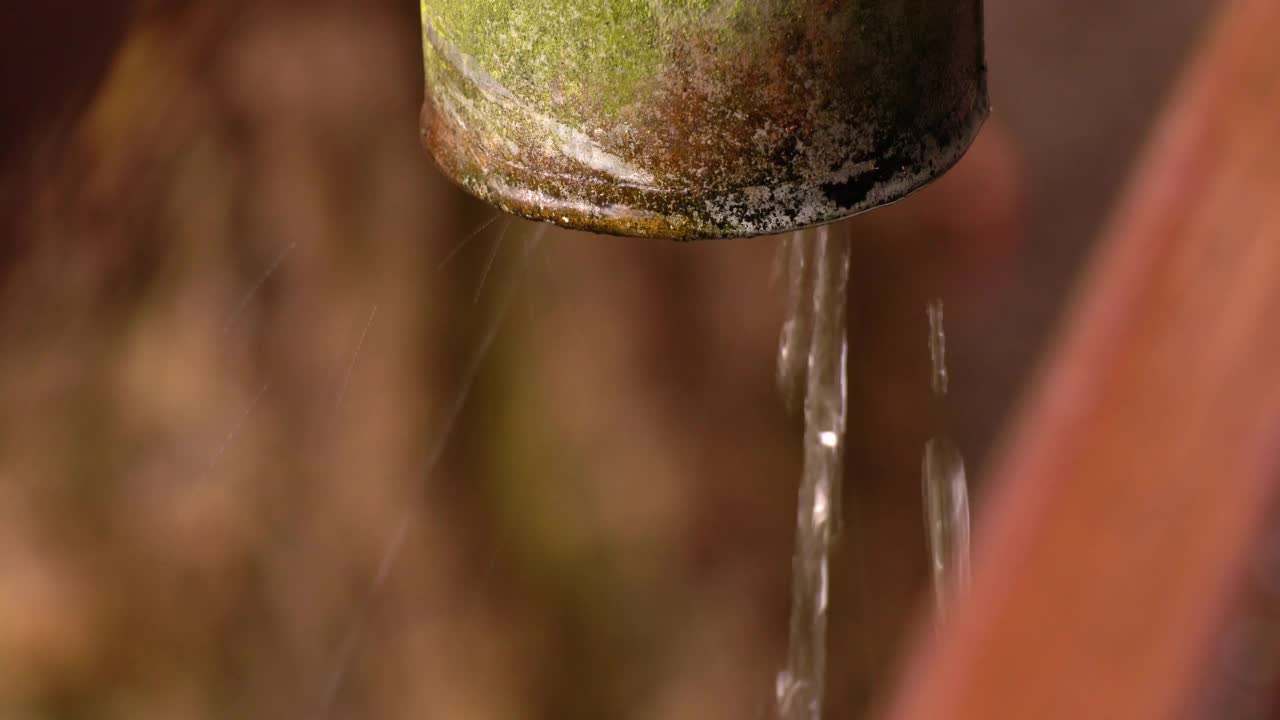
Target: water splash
point(353, 635)
point(817, 267)
point(253, 289)
point(235, 429)
point(355, 357)
point(945, 487)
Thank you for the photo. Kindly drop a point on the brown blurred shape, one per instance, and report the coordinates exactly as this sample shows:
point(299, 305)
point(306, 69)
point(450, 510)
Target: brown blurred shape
point(1135, 485)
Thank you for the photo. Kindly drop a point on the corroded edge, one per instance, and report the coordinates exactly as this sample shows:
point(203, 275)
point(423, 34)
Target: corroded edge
point(639, 212)
point(508, 153)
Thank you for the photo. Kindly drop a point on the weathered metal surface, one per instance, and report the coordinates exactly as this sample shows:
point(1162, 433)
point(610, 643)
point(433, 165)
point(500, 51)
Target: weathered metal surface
point(696, 119)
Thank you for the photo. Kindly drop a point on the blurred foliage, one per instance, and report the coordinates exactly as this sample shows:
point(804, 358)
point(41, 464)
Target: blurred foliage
point(232, 383)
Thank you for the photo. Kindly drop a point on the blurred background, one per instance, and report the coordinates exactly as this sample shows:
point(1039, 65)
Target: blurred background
point(290, 427)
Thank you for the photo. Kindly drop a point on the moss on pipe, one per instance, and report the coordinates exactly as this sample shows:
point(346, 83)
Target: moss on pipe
point(566, 50)
point(699, 118)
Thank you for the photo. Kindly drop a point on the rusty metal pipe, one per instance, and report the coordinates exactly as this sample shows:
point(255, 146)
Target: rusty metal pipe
point(693, 119)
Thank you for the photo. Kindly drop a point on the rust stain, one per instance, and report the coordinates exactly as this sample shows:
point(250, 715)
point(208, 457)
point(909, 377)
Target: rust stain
point(758, 118)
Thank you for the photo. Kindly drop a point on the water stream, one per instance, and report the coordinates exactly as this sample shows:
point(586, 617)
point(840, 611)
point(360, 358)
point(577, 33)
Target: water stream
point(812, 355)
point(812, 361)
point(945, 487)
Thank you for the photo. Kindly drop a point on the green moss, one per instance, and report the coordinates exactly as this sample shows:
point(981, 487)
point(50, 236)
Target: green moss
point(574, 53)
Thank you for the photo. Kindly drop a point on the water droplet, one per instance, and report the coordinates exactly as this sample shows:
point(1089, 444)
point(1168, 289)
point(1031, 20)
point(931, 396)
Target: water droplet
point(946, 488)
point(946, 495)
point(821, 507)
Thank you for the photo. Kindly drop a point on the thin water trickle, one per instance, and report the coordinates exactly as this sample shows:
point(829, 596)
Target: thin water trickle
point(946, 487)
point(797, 258)
point(946, 500)
point(817, 284)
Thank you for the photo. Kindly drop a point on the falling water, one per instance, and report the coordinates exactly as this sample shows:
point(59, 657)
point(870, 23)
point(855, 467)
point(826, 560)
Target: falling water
point(946, 489)
point(797, 259)
point(812, 355)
